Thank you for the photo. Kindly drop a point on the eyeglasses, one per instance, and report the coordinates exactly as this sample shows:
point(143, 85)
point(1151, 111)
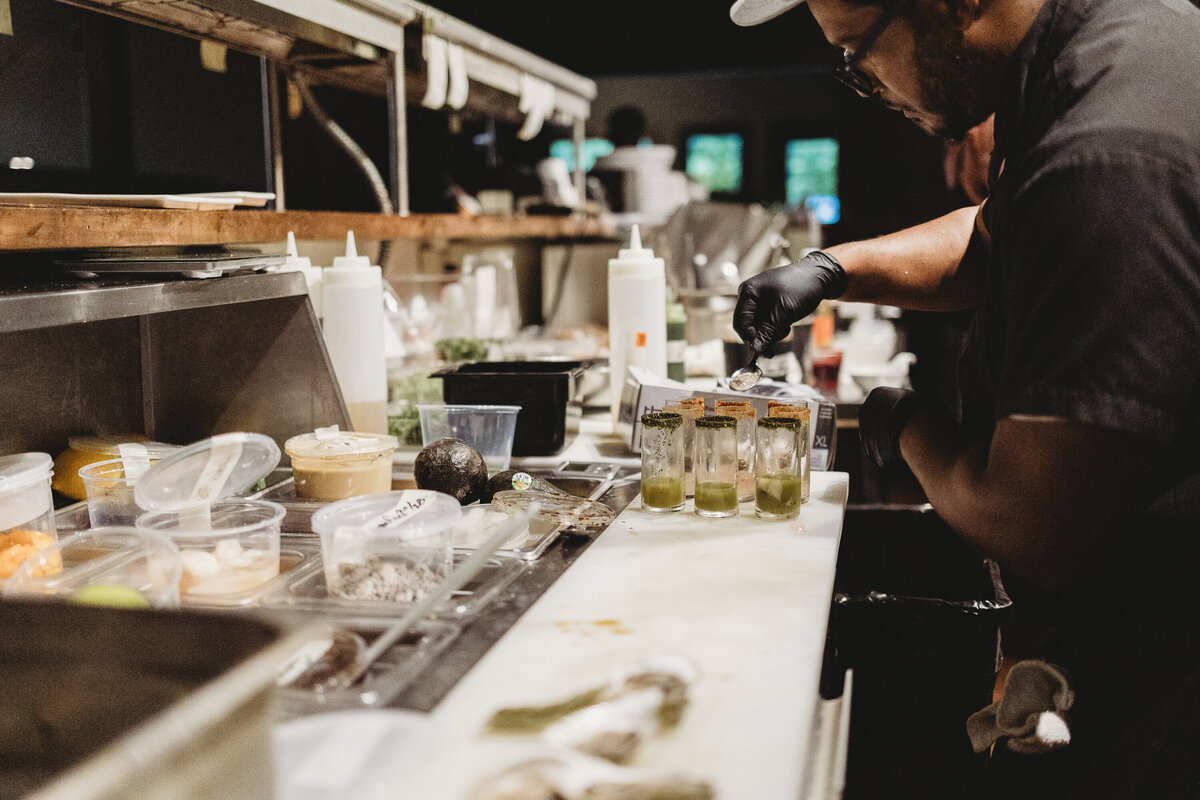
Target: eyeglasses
point(848, 72)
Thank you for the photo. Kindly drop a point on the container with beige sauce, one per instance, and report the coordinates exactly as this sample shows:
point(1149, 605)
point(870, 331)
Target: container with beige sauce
point(330, 464)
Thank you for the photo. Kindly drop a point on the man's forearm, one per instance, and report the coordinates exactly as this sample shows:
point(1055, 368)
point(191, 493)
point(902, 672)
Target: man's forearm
point(937, 266)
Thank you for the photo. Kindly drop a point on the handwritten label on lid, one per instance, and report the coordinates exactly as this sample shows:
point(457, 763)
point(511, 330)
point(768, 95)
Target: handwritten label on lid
point(403, 511)
point(223, 457)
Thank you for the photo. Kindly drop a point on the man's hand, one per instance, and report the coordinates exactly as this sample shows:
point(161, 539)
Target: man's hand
point(775, 299)
point(881, 418)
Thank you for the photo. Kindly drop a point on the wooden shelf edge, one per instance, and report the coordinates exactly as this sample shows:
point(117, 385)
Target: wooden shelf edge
point(26, 228)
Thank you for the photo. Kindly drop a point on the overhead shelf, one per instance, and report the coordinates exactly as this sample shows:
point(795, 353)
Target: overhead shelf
point(25, 228)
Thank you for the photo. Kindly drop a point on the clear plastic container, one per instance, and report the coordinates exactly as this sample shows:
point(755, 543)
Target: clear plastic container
point(489, 429)
point(84, 450)
point(117, 566)
point(26, 508)
point(109, 489)
point(330, 465)
point(231, 547)
point(391, 547)
point(227, 546)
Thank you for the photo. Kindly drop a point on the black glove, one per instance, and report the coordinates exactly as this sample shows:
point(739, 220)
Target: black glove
point(772, 301)
point(881, 418)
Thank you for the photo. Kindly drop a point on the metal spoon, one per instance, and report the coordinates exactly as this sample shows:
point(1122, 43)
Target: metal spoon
point(746, 377)
point(343, 656)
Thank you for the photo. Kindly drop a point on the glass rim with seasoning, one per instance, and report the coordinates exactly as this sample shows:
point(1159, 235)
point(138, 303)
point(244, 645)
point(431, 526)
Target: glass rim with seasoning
point(716, 494)
point(662, 462)
point(778, 482)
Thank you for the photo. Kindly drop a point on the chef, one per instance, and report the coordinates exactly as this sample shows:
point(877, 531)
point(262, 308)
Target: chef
point(1076, 460)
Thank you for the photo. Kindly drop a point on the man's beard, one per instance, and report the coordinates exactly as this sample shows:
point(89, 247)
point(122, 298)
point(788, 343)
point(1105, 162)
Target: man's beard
point(955, 82)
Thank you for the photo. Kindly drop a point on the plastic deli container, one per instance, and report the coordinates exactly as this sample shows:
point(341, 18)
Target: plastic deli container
point(548, 392)
point(226, 546)
point(84, 450)
point(329, 464)
point(26, 508)
point(489, 429)
point(392, 546)
point(119, 566)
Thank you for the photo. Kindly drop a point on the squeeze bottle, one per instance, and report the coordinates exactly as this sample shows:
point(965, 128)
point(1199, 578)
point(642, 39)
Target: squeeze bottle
point(637, 315)
point(313, 276)
point(353, 328)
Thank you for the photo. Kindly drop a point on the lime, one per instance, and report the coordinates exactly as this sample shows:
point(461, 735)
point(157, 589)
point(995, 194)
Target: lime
point(100, 594)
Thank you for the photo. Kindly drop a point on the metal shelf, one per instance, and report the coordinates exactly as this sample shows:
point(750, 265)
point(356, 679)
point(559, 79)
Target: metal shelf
point(49, 304)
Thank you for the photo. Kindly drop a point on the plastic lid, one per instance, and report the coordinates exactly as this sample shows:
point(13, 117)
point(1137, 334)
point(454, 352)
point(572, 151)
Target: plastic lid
point(561, 509)
point(24, 469)
point(207, 471)
point(405, 513)
point(332, 443)
point(111, 445)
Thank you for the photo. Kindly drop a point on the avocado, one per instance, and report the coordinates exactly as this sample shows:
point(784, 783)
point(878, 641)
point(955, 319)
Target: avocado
point(453, 467)
point(503, 481)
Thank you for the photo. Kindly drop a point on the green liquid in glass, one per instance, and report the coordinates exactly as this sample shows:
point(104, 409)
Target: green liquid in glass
point(777, 494)
point(716, 496)
point(662, 492)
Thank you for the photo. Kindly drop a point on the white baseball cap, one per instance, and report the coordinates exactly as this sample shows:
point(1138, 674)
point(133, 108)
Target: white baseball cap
point(754, 12)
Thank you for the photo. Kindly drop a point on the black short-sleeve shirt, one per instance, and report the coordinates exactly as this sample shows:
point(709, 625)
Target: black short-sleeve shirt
point(1093, 305)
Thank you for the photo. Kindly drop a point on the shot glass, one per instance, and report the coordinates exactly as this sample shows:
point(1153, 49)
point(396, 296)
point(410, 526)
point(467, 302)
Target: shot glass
point(777, 470)
point(662, 462)
point(691, 409)
point(745, 415)
point(802, 413)
point(716, 467)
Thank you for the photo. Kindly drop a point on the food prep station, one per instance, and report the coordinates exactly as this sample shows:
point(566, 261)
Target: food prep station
point(743, 601)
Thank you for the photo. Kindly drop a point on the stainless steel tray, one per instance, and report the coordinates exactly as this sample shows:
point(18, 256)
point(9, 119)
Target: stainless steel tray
point(386, 678)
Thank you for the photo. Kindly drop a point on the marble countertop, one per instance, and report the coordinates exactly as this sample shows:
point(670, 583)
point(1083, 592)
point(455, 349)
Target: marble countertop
point(745, 600)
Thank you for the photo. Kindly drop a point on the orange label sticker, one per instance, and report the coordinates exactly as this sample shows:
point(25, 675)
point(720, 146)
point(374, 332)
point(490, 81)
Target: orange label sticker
point(641, 338)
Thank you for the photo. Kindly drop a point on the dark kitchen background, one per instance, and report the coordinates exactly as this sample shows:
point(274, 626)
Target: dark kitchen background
point(104, 105)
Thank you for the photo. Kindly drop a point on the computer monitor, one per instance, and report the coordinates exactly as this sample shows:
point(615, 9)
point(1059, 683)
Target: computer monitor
point(592, 149)
point(811, 177)
point(716, 160)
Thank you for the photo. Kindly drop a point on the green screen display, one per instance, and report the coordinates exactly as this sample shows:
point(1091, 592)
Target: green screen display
point(715, 159)
point(811, 169)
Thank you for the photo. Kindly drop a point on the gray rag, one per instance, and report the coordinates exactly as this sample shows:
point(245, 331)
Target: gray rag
point(1031, 713)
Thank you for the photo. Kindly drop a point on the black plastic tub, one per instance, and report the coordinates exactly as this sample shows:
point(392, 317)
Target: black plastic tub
point(547, 392)
point(916, 616)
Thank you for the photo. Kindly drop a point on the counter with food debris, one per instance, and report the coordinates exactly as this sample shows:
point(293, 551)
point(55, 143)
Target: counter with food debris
point(689, 649)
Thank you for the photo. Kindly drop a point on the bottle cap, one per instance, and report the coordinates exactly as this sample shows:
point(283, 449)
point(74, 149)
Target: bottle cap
point(352, 258)
point(295, 261)
point(635, 249)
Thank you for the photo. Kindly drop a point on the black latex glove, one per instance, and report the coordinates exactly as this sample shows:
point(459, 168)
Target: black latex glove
point(775, 299)
point(881, 418)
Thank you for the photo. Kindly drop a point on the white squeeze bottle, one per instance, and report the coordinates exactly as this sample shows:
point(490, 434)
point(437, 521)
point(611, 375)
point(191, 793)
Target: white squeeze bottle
point(637, 314)
point(353, 328)
point(313, 276)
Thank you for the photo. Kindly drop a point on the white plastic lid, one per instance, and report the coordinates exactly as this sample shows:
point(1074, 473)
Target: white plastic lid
point(111, 445)
point(24, 469)
point(408, 513)
point(333, 443)
point(208, 471)
point(635, 260)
